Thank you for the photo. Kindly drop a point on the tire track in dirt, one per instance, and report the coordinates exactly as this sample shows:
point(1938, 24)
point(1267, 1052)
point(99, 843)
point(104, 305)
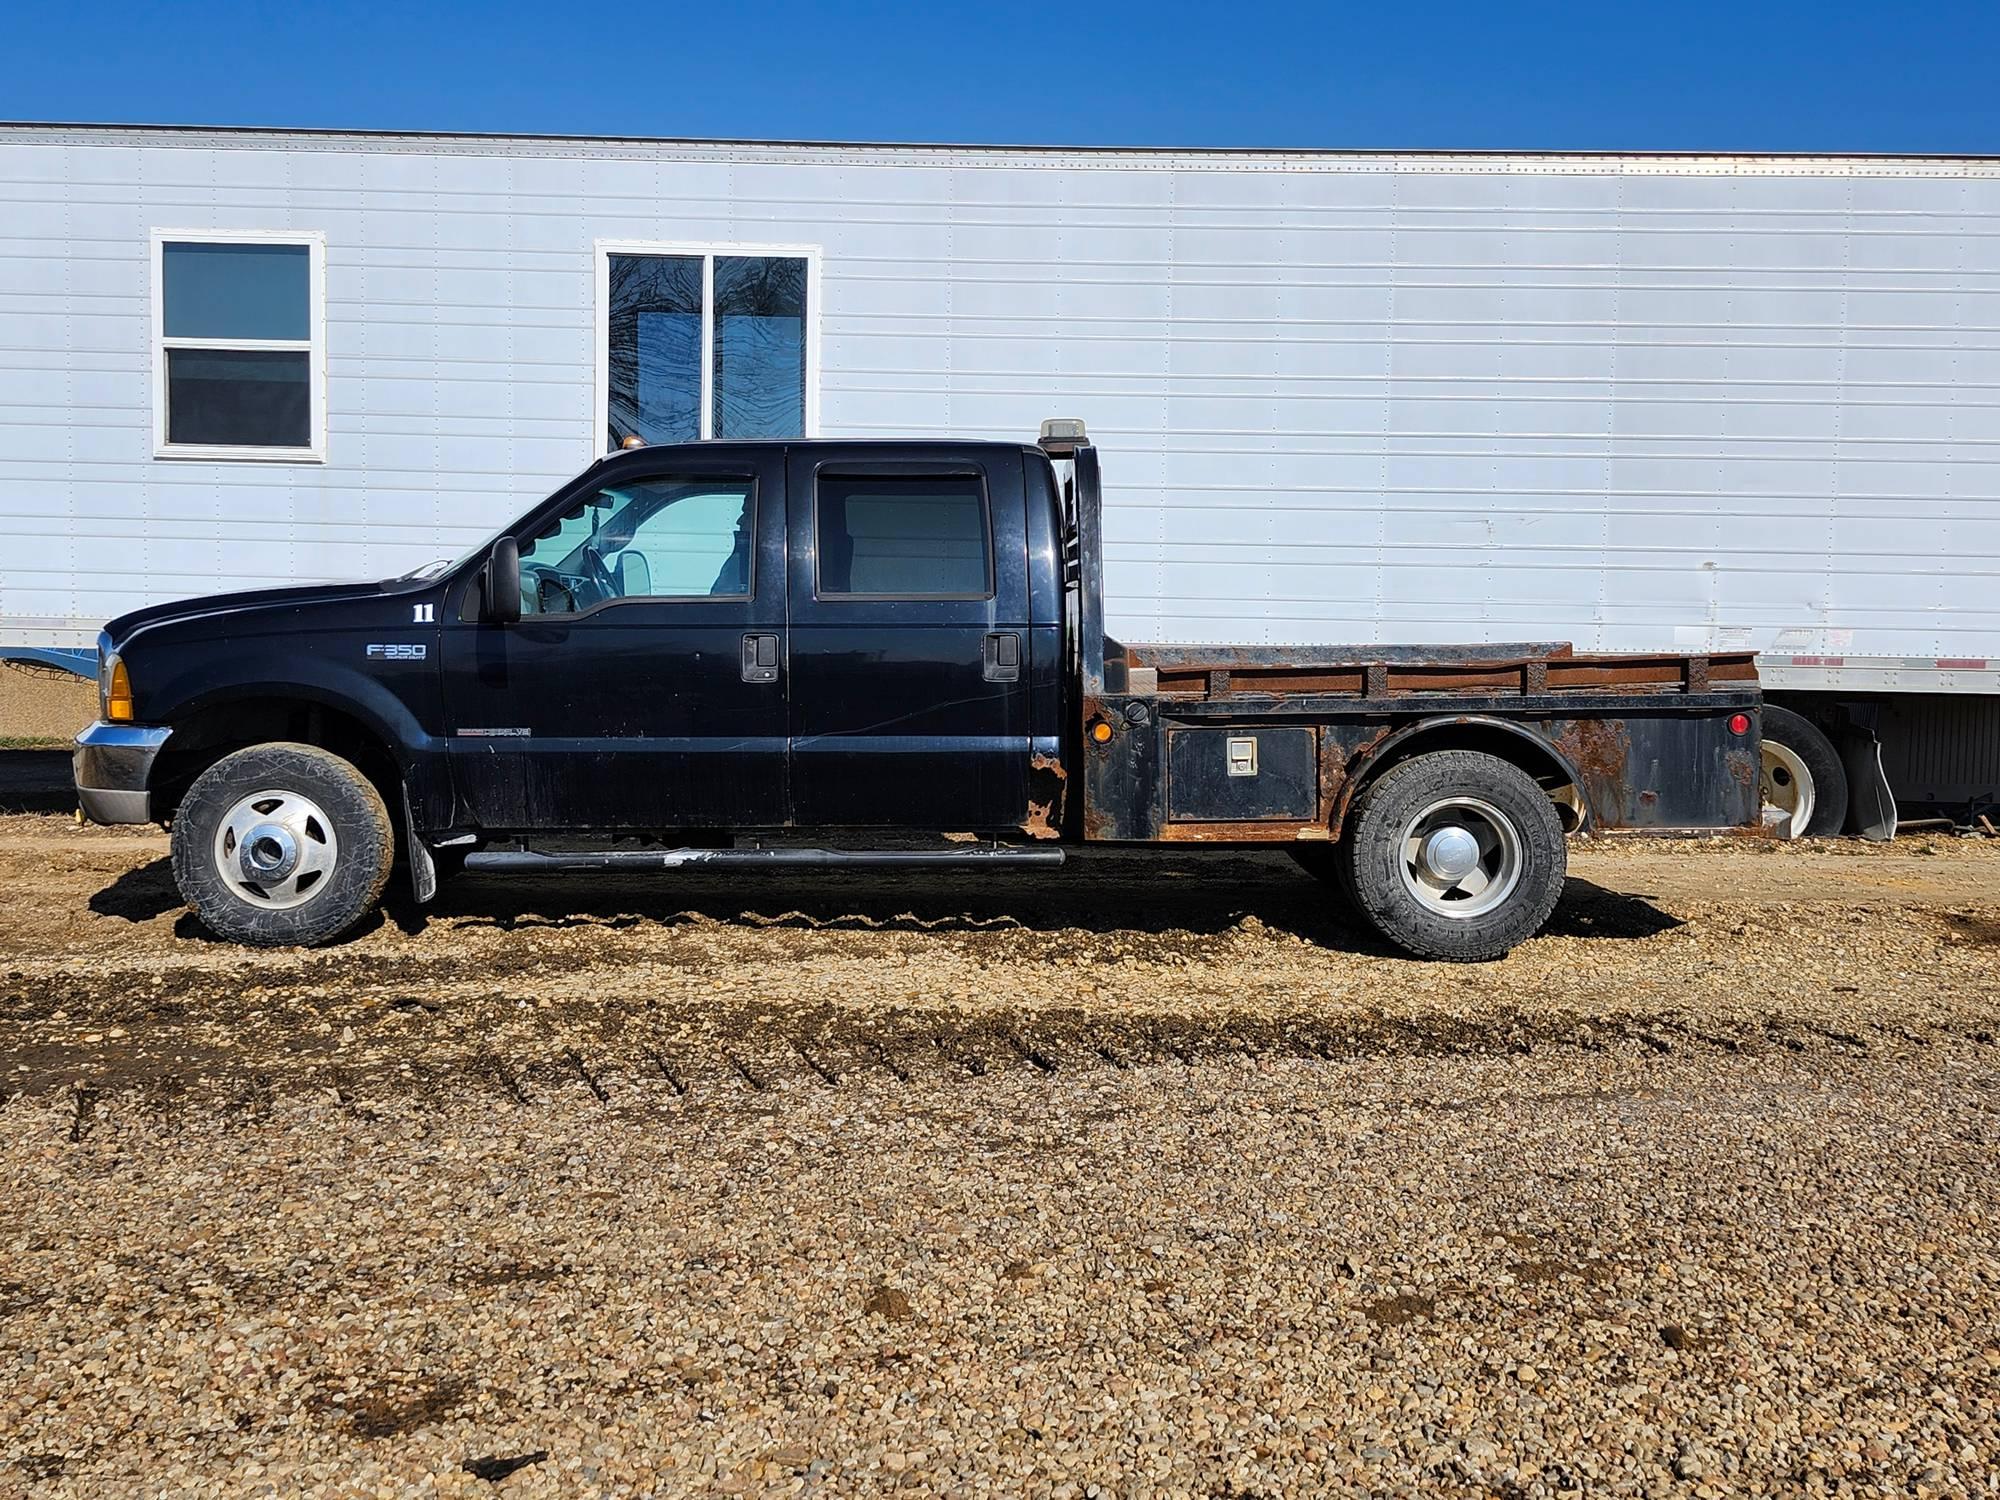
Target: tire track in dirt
point(710, 1056)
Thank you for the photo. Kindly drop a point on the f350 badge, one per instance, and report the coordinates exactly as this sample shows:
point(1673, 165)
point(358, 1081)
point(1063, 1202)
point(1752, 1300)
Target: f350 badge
point(398, 651)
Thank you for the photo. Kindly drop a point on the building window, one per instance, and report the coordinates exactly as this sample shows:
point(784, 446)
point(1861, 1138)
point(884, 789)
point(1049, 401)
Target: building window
point(706, 342)
point(239, 345)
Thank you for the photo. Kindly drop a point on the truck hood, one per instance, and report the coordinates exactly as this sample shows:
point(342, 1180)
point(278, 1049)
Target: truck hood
point(211, 606)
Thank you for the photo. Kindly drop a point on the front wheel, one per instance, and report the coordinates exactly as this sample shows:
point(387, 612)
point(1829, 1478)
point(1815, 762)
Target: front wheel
point(1455, 855)
point(282, 846)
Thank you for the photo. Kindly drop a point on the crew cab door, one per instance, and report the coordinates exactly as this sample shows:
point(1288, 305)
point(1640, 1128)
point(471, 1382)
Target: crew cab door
point(644, 684)
point(909, 639)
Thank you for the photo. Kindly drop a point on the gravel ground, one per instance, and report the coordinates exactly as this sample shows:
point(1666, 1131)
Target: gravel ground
point(1153, 1177)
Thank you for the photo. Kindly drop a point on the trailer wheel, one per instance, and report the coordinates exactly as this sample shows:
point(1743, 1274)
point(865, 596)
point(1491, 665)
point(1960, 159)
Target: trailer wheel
point(1803, 781)
point(1455, 855)
point(282, 846)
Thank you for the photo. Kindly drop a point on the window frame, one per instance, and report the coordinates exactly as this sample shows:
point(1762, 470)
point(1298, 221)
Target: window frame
point(706, 251)
point(755, 502)
point(975, 472)
point(314, 346)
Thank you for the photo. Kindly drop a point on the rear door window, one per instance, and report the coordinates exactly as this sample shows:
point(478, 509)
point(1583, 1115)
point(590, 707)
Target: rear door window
point(903, 536)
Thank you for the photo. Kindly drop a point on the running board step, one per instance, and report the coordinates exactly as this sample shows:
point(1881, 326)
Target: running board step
point(535, 861)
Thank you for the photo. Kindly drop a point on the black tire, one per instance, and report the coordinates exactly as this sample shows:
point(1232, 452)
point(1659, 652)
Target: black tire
point(351, 822)
point(1822, 763)
point(1383, 817)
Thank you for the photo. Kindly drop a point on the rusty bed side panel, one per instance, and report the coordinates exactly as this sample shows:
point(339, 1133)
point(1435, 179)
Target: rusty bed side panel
point(1124, 784)
point(1638, 768)
point(1663, 771)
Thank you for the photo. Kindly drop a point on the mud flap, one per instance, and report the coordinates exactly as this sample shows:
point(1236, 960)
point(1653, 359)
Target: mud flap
point(1871, 805)
point(423, 869)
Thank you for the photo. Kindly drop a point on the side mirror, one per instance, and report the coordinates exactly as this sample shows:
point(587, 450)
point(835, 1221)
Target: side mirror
point(500, 590)
point(635, 575)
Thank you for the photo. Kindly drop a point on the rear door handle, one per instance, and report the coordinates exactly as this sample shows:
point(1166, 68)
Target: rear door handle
point(760, 658)
point(1002, 656)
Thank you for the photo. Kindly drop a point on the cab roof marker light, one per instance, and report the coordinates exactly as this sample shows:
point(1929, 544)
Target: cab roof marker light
point(1062, 436)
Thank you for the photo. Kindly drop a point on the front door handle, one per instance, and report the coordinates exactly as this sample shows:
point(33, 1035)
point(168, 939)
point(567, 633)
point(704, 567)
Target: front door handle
point(1002, 656)
point(760, 658)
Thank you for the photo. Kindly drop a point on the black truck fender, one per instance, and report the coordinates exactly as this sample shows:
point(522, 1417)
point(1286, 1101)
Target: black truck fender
point(1506, 738)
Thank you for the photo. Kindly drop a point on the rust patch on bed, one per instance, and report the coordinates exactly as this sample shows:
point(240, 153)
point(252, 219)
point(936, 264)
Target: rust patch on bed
point(1341, 794)
point(1289, 831)
point(1599, 749)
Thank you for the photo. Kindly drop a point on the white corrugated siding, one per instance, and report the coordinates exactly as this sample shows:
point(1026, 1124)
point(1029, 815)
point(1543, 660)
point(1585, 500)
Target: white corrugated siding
point(1632, 402)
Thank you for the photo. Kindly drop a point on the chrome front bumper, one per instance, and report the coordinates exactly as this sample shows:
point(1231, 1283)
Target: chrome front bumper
point(112, 765)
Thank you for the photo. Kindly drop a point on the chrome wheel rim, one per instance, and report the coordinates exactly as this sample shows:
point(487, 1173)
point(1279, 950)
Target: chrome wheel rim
point(276, 849)
point(1461, 857)
point(1787, 786)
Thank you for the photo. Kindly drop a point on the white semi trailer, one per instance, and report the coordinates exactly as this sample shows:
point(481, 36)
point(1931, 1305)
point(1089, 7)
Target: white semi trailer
point(1637, 402)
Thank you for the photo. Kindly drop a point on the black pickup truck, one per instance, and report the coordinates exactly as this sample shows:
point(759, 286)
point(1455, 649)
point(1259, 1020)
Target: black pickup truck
point(862, 653)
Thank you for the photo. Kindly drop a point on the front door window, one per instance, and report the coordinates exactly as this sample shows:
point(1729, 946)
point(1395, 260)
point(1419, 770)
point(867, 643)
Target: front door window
point(664, 538)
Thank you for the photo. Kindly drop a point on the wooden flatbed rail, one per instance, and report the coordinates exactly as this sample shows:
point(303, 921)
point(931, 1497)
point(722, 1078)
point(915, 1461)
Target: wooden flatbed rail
point(1206, 672)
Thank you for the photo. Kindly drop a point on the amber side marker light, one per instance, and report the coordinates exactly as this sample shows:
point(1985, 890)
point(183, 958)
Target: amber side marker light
point(118, 696)
point(1739, 723)
point(1100, 732)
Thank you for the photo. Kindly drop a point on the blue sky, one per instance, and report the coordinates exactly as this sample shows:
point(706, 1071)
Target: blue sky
point(1690, 76)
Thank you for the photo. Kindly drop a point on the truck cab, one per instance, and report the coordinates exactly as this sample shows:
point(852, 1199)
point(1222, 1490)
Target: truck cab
point(861, 653)
point(763, 636)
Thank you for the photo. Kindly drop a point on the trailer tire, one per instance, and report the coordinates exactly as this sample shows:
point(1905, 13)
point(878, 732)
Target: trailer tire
point(311, 829)
point(1424, 831)
point(1800, 764)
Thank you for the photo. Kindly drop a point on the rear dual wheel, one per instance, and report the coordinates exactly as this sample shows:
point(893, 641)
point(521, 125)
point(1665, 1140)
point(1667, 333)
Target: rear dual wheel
point(1454, 855)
